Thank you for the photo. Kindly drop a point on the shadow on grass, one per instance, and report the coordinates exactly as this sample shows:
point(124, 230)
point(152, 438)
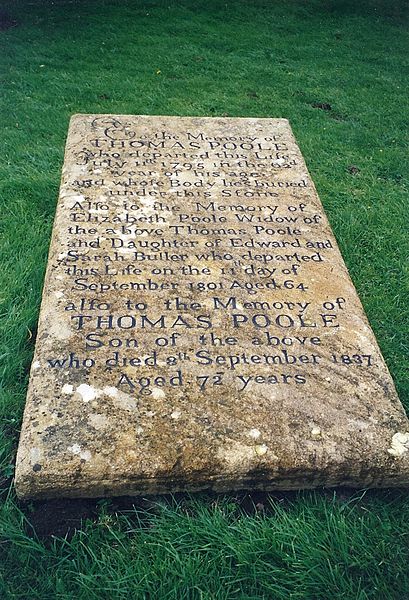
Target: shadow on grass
point(62, 518)
point(7, 21)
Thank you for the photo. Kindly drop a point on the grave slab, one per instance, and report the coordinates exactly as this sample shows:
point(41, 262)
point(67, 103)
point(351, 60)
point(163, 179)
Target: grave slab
point(199, 328)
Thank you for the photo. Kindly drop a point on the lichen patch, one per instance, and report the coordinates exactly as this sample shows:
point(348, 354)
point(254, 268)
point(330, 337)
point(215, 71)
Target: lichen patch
point(76, 449)
point(316, 432)
point(87, 392)
point(400, 444)
point(254, 433)
point(236, 455)
point(111, 391)
point(261, 449)
point(35, 455)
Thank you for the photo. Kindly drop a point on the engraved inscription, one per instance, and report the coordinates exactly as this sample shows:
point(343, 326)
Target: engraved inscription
point(199, 324)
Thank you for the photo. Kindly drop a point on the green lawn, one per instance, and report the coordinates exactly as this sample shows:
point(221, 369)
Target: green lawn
point(338, 69)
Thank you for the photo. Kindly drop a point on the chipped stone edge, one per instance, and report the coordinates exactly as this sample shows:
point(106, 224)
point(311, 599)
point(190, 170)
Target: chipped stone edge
point(55, 484)
point(110, 488)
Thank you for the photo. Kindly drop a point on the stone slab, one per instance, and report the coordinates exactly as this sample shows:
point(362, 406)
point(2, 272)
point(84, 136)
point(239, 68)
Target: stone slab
point(199, 328)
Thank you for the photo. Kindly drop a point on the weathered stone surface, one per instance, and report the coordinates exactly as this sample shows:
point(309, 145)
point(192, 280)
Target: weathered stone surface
point(199, 328)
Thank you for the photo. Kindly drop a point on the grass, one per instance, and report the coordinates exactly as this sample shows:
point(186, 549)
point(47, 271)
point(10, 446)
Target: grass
point(338, 70)
point(313, 547)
